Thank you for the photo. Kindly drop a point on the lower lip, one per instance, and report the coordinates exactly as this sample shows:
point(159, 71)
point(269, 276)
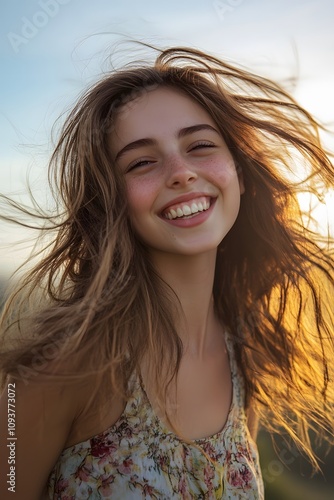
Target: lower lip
point(198, 219)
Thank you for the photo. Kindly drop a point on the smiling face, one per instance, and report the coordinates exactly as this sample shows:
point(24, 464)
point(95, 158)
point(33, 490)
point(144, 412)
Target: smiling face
point(182, 186)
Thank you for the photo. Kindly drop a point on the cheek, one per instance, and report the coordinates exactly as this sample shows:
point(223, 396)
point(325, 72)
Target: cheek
point(140, 195)
point(223, 173)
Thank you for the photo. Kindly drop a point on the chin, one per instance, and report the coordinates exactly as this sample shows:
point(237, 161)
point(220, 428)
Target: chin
point(194, 249)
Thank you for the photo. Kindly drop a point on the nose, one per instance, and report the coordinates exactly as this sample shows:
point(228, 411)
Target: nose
point(179, 172)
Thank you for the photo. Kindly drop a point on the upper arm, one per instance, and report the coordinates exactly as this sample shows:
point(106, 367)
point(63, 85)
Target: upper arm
point(43, 417)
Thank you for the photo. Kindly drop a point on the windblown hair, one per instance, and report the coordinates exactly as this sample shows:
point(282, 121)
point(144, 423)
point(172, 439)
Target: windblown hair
point(104, 305)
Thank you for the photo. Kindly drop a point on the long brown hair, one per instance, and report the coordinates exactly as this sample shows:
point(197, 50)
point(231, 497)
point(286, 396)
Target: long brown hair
point(103, 301)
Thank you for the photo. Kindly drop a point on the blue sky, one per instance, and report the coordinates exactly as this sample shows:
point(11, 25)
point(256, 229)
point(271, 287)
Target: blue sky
point(51, 49)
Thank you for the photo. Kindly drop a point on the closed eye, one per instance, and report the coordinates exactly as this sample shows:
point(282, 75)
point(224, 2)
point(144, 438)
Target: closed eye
point(138, 163)
point(202, 144)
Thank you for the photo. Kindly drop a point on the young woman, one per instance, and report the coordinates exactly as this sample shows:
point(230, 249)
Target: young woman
point(182, 298)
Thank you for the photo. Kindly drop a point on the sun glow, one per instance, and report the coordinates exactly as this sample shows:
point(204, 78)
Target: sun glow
point(319, 215)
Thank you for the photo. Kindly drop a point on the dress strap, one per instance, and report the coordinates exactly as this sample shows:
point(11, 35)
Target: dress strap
point(237, 378)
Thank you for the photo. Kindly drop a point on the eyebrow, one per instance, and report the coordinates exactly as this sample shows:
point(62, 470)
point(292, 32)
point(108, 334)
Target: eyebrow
point(152, 142)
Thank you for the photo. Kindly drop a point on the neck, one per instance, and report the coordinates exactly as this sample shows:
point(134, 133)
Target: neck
point(191, 278)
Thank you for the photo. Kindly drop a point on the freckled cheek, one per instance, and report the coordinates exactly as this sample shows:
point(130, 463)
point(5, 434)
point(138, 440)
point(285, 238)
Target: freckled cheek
point(141, 196)
point(223, 174)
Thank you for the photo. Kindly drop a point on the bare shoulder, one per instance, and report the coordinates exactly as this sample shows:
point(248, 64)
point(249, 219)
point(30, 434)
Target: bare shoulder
point(50, 415)
point(98, 408)
point(42, 414)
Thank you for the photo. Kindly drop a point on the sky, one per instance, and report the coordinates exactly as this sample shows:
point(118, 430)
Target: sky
point(51, 50)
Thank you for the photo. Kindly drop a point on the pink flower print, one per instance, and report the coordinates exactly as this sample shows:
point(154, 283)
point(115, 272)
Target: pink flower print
point(183, 489)
point(182, 486)
point(209, 450)
point(208, 476)
point(106, 485)
point(208, 473)
point(84, 472)
point(163, 462)
point(125, 467)
point(61, 485)
point(133, 480)
point(124, 430)
point(101, 448)
point(148, 490)
point(143, 486)
point(242, 453)
point(239, 476)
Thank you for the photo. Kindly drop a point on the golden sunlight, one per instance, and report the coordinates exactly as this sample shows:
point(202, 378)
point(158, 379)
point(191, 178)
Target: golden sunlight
point(321, 218)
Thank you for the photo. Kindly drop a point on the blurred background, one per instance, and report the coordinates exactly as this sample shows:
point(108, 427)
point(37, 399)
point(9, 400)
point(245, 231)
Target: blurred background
point(52, 49)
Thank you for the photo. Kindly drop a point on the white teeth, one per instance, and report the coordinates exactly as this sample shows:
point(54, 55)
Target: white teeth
point(194, 208)
point(187, 210)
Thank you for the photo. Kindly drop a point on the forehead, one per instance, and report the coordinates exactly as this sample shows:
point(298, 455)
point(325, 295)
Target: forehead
point(158, 112)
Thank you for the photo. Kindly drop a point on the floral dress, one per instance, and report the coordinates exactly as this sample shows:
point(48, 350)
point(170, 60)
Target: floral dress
point(140, 458)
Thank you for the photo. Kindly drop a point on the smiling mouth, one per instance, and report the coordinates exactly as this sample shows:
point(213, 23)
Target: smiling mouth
point(188, 209)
